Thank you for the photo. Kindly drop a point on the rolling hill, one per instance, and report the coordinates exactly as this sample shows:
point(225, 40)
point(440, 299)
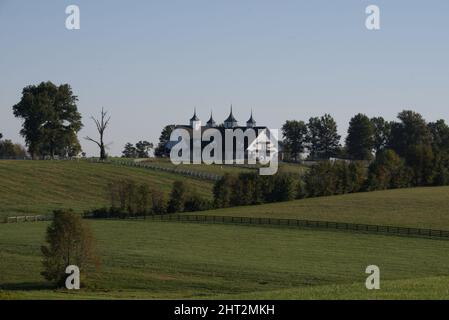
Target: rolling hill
point(164, 260)
point(416, 207)
point(38, 187)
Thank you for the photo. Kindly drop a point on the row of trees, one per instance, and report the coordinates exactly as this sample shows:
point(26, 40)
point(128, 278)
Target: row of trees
point(366, 137)
point(141, 149)
point(131, 199)
point(252, 188)
point(319, 137)
point(8, 149)
point(387, 171)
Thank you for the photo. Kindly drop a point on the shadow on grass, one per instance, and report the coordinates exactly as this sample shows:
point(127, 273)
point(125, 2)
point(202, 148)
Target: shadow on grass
point(25, 286)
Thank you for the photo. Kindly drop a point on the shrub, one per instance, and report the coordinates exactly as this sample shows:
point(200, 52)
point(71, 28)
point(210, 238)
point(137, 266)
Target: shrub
point(69, 242)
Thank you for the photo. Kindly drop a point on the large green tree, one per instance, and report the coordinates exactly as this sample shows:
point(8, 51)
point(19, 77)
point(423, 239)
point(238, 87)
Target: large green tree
point(411, 139)
point(51, 120)
point(161, 149)
point(295, 137)
point(410, 131)
point(323, 137)
point(360, 138)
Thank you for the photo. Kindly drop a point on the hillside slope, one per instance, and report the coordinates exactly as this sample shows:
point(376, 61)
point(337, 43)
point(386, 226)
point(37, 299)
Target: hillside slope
point(38, 187)
point(166, 260)
point(417, 207)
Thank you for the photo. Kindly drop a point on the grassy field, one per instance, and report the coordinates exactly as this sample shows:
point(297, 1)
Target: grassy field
point(38, 187)
point(174, 260)
point(291, 168)
point(213, 169)
point(417, 207)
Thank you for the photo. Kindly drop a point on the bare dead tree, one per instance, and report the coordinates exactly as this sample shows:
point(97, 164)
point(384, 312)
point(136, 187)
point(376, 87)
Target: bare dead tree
point(101, 124)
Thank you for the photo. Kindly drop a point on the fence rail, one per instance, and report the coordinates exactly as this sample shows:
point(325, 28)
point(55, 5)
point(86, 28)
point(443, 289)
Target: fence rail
point(292, 223)
point(152, 166)
point(304, 224)
point(17, 219)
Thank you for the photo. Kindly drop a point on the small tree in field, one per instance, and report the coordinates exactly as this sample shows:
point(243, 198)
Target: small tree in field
point(69, 242)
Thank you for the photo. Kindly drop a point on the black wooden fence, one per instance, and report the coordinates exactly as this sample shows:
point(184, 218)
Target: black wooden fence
point(303, 224)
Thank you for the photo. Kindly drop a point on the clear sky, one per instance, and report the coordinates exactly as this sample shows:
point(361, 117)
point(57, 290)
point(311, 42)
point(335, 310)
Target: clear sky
point(151, 62)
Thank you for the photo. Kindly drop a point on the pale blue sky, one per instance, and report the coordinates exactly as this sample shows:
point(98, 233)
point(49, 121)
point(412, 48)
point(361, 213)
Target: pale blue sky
point(151, 62)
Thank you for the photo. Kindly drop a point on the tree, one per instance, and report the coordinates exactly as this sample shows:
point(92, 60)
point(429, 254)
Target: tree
point(129, 151)
point(412, 130)
point(159, 204)
point(143, 200)
point(162, 150)
point(360, 138)
point(295, 135)
point(382, 131)
point(8, 149)
point(321, 180)
point(51, 120)
point(440, 146)
point(388, 171)
point(143, 149)
point(323, 137)
point(177, 197)
point(411, 139)
point(223, 190)
point(101, 125)
point(283, 188)
point(69, 242)
point(439, 131)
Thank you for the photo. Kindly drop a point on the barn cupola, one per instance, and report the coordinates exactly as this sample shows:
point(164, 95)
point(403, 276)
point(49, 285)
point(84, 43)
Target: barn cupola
point(211, 122)
point(195, 122)
point(251, 123)
point(230, 122)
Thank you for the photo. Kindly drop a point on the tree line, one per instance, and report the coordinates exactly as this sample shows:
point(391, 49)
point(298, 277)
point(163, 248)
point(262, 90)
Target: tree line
point(8, 149)
point(365, 138)
point(129, 199)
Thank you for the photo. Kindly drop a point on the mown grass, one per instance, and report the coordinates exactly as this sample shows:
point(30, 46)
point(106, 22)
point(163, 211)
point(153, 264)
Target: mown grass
point(38, 187)
point(175, 260)
point(291, 168)
point(416, 207)
point(212, 169)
